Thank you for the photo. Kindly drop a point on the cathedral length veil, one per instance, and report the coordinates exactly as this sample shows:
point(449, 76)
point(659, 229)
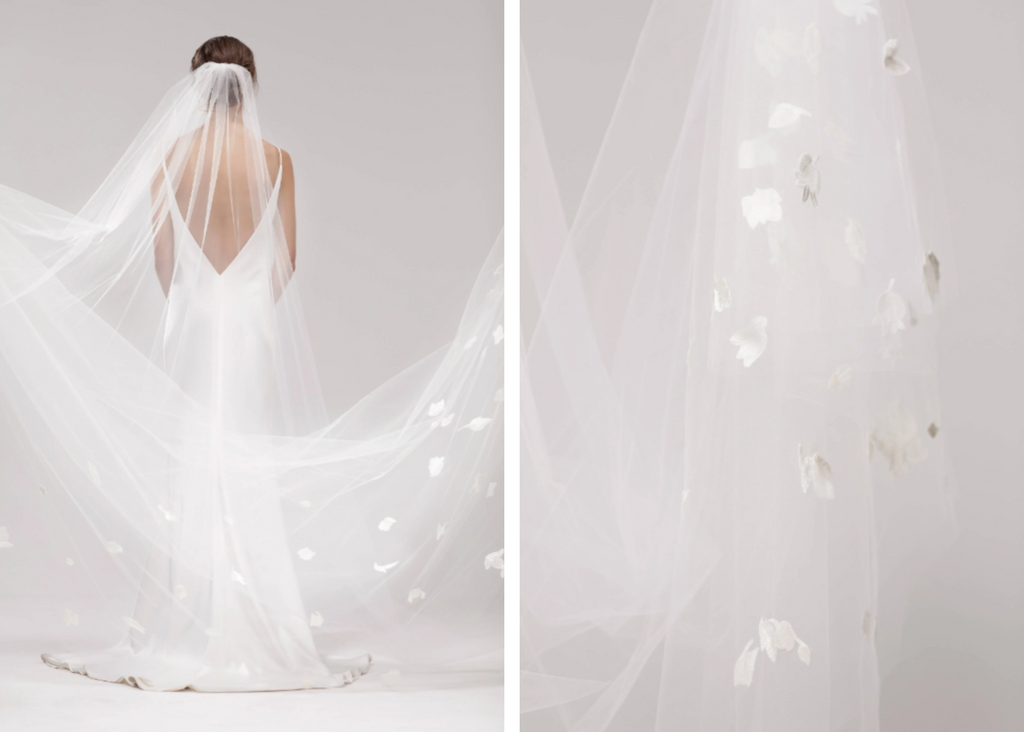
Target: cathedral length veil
point(733, 462)
point(178, 509)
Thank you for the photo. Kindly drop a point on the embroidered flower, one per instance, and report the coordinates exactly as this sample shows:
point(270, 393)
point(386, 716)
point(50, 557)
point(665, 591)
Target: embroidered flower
point(859, 9)
point(387, 523)
point(785, 117)
point(743, 671)
point(762, 206)
point(133, 624)
point(476, 425)
point(815, 473)
point(416, 594)
point(804, 652)
point(435, 466)
point(891, 311)
point(808, 177)
point(496, 560)
point(751, 340)
point(840, 378)
point(895, 66)
point(772, 47)
point(723, 297)
point(435, 409)
point(854, 236)
point(895, 437)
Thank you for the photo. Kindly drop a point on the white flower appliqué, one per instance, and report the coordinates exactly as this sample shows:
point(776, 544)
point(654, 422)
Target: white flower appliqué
point(180, 592)
point(804, 652)
point(840, 378)
point(786, 117)
point(931, 275)
point(808, 177)
point(383, 568)
point(5, 538)
point(743, 671)
point(305, 553)
point(416, 594)
point(114, 548)
point(762, 206)
point(854, 236)
point(496, 560)
point(895, 437)
point(772, 47)
point(236, 576)
point(435, 466)
point(891, 311)
point(723, 297)
point(386, 523)
point(815, 473)
point(70, 618)
point(895, 66)
point(499, 334)
point(751, 340)
point(477, 424)
point(859, 9)
point(775, 636)
point(133, 624)
point(316, 620)
point(442, 529)
point(435, 409)
point(755, 153)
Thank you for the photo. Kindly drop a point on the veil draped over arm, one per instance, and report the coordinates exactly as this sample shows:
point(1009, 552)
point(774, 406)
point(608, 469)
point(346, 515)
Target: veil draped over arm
point(733, 459)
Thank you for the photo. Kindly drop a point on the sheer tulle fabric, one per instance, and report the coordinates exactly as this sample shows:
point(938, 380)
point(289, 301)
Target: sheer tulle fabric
point(733, 454)
point(178, 495)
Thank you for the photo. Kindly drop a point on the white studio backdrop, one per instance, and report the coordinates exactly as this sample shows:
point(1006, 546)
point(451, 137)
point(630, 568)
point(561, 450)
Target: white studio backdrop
point(392, 113)
point(960, 661)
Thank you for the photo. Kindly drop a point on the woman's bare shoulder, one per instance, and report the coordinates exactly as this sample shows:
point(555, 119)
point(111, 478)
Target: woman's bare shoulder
point(272, 152)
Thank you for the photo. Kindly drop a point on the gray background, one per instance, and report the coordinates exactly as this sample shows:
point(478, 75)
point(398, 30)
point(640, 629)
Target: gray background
point(962, 660)
point(391, 110)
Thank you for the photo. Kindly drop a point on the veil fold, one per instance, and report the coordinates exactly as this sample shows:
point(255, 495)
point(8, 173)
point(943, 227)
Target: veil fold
point(171, 466)
point(733, 460)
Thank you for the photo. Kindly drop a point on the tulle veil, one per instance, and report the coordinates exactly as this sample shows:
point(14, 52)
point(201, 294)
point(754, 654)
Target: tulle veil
point(733, 463)
point(117, 479)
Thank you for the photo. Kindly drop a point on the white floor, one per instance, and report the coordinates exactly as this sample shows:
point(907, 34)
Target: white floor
point(37, 698)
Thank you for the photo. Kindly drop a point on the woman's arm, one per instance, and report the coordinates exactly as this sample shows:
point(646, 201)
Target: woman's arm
point(286, 204)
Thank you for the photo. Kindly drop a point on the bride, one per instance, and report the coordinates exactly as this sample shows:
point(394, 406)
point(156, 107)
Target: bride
point(219, 532)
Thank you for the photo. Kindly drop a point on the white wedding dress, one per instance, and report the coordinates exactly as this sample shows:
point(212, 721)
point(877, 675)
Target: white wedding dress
point(240, 521)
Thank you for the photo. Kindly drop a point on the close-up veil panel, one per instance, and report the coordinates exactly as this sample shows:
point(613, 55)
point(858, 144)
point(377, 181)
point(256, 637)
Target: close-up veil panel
point(178, 507)
point(733, 454)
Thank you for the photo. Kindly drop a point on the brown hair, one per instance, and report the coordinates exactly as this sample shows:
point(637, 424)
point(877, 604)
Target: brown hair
point(226, 50)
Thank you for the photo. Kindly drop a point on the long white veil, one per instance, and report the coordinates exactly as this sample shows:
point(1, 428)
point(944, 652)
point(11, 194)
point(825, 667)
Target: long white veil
point(144, 486)
point(733, 461)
